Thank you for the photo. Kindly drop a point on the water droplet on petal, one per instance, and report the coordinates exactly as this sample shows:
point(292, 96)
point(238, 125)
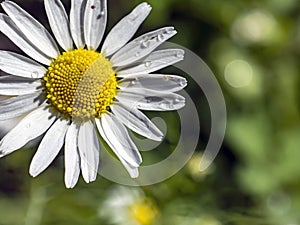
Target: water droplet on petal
point(166, 105)
point(148, 64)
point(167, 77)
point(35, 74)
point(101, 14)
point(145, 44)
point(133, 82)
point(177, 100)
point(137, 54)
point(179, 55)
point(169, 31)
point(160, 37)
point(182, 83)
point(28, 125)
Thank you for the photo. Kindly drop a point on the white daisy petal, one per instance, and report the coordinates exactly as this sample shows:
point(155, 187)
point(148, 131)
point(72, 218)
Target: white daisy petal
point(59, 23)
point(88, 145)
point(18, 86)
point(17, 99)
point(132, 170)
point(117, 137)
point(31, 28)
point(76, 22)
point(8, 28)
point(95, 19)
point(19, 65)
point(32, 126)
point(155, 61)
point(72, 162)
point(123, 31)
point(137, 121)
point(49, 147)
point(155, 82)
point(142, 46)
point(151, 100)
point(19, 105)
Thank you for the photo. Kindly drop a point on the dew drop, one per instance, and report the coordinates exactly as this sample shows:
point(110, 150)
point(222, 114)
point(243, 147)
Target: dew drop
point(137, 54)
point(133, 82)
point(160, 37)
point(153, 99)
point(177, 100)
point(166, 105)
point(34, 74)
point(145, 44)
point(182, 83)
point(148, 64)
point(28, 125)
point(169, 31)
point(101, 14)
point(179, 55)
point(167, 78)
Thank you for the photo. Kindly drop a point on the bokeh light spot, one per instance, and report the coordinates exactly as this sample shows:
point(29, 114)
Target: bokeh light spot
point(254, 27)
point(238, 73)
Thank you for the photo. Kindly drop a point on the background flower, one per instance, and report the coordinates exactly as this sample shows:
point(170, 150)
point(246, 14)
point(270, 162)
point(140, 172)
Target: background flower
point(130, 207)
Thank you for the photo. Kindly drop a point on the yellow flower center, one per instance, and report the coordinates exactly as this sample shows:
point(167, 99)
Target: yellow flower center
point(81, 84)
point(143, 211)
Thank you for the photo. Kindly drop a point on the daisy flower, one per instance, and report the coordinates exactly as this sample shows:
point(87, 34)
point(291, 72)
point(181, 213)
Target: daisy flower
point(71, 94)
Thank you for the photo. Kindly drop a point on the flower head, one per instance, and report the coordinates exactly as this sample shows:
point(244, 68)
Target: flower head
point(131, 207)
point(69, 93)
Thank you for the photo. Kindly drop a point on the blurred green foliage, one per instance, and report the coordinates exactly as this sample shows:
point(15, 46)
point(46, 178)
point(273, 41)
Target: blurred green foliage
point(252, 46)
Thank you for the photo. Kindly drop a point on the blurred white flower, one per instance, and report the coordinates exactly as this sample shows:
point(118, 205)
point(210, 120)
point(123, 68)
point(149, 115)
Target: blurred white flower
point(128, 206)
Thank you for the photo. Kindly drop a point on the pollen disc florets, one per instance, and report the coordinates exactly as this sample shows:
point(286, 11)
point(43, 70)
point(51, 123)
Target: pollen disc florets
point(81, 84)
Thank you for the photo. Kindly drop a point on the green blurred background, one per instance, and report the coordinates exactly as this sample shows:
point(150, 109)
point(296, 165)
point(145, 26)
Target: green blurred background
point(253, 49)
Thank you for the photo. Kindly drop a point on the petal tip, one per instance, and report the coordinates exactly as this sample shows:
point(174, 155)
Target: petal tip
point(134, 174)
point(33, 172)
point(181, 52)
point(161, 137)
point(70, 185)
point(146, 6)
point(4, 2)
point(89, 180)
